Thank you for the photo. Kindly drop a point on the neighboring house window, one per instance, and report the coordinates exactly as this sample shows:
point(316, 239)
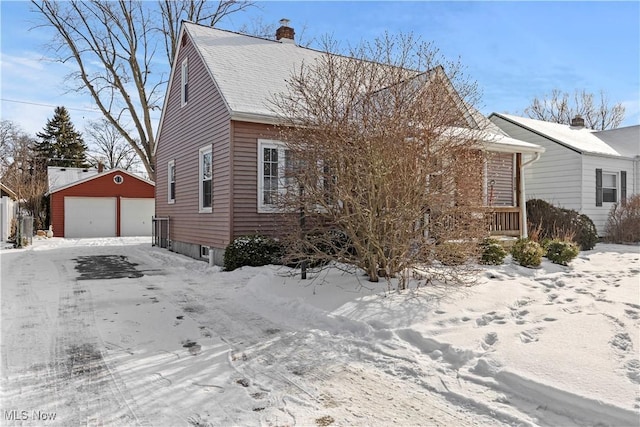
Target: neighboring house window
point(611, 187)
point(171, 178)
point(205, 177)
point(273, 160)
point(184, 83)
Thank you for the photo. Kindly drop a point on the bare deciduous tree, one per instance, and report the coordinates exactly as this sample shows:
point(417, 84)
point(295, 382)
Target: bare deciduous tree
point(561, 107)
point(107, 145)
point(114, 46)
point(382, 161)
point(9, 134)
point(23, 172)
point(198, 11)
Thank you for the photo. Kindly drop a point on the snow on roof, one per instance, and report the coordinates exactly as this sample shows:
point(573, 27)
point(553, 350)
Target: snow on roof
point(7, 190)
point(494, 141)
point(500, 142)
point(582, 140)
point(248, 70)
point(60, 177)
point(624, 140)
point(93, 174)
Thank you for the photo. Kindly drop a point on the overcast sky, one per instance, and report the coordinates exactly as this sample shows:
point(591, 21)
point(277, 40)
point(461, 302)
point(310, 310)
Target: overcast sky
point(514, 50)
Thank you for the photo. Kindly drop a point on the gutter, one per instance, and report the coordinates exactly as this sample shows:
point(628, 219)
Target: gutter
point(523, 202)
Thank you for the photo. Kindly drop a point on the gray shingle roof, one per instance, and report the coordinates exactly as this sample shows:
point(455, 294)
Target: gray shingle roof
point(582, 140)
point(60, 177)
point(248, 70)
point(624, 140)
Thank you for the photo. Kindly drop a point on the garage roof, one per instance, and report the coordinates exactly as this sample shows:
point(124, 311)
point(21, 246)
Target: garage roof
point(85, 175)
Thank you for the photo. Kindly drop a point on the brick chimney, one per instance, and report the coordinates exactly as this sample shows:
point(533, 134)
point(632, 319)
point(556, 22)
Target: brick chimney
point(285, 33)
point(577, 122)
point(100, 166)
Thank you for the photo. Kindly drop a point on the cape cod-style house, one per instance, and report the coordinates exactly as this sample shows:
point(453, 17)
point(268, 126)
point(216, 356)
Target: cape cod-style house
point(216, 134)
point(582, 169)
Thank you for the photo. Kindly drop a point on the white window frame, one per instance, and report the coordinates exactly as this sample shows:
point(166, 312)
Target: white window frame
point(201, 178)
point(171, 179)
point(204, 252)
point(184, 83)
point(282, 187)
point(616, 188)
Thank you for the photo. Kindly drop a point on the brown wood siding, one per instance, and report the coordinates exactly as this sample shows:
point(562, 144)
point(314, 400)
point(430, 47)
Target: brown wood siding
point(246, 219)
point(185, 129)
point(102, 186)
point(500, 171)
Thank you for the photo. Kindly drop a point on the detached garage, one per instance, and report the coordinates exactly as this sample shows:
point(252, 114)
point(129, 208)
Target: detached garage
point(88, 203)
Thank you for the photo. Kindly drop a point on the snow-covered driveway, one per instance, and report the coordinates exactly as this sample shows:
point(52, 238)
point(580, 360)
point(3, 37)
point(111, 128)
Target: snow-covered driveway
point(114, 332)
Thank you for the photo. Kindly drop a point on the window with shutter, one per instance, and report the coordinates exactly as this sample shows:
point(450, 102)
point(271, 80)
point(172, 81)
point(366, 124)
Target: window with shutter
point(598, 187)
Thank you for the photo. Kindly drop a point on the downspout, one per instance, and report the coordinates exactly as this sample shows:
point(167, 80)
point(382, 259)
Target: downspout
point(523, 202)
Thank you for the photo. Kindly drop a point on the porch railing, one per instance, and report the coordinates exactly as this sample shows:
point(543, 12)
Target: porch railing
point(161, 232)
point(504, 221)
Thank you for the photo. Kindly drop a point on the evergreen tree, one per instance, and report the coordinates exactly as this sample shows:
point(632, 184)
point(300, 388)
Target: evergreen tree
point(60, 144)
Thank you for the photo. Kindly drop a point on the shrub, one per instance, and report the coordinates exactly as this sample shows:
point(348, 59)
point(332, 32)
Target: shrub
point(317, 248)
point(546, 221)
point(561, 252)
point(527, 253)
point(254, 250)
point(492, 252)
point(623, 223)
point(451, 254)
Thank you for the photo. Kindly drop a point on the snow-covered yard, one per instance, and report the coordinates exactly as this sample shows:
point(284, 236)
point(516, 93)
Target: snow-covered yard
point(171, 341)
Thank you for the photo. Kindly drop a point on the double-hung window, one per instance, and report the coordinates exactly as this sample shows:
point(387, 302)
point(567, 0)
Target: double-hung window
point(273, 160)
point(171, 182)
point(205, 174)
point(609, 187)
point(184, 87)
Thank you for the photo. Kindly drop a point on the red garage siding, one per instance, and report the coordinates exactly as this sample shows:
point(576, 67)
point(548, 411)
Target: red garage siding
point(101, 185)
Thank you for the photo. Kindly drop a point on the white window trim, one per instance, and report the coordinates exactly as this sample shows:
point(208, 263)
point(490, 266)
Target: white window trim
point(617, 187)
point(201, 153)
point(281, 147)
point(184, 83)
point(171, 164)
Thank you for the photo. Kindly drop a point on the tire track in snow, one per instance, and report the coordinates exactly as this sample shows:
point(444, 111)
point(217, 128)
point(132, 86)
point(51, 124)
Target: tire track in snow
point(58, 366)
point(79, 365)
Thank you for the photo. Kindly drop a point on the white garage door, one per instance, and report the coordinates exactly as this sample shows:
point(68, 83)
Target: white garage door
point(89, 216)
point(135, 216)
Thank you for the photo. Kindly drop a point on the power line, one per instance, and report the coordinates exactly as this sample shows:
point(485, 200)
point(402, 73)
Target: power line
point(48, 105)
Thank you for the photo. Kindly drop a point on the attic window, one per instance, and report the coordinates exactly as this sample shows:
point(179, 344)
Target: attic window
point(118, 179)
point(184, 83)
point(184, 39)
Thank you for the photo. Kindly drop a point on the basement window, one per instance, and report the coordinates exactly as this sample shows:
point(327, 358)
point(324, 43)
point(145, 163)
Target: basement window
point(204, 252)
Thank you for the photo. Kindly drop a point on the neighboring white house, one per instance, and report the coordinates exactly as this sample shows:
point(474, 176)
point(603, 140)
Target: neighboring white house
point(8, 208)
point(581, 169)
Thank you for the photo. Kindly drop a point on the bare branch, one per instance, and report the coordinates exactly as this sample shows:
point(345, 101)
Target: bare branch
point(113, 45)
point(380, 158)
point(560, 107)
